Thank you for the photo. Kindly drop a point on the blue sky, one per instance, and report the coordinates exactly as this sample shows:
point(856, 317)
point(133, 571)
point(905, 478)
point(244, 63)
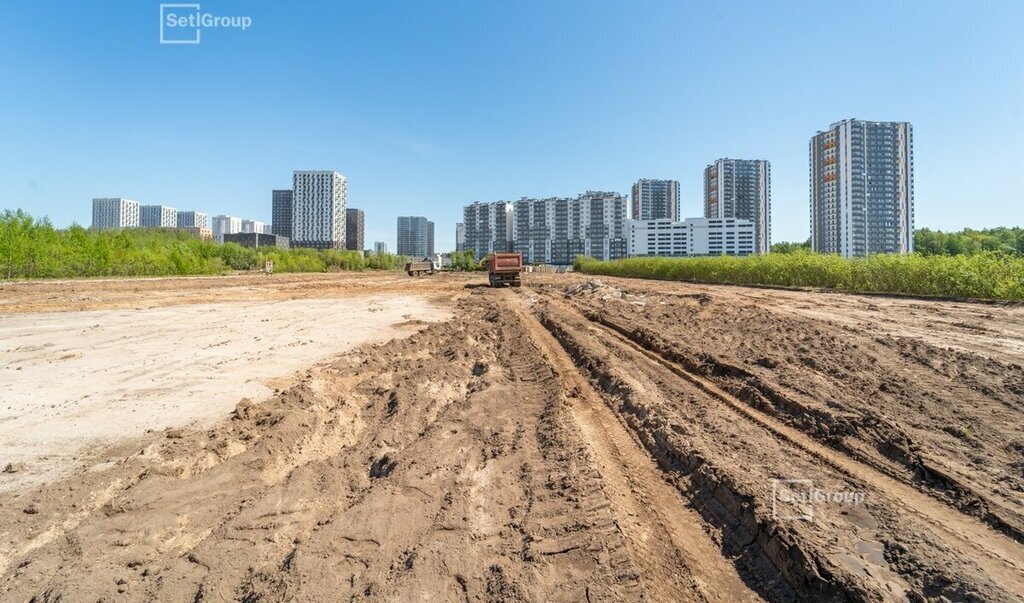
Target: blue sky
point(427, 106)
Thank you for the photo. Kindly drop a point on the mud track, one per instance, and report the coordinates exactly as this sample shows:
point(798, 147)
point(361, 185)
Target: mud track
point(573, 440)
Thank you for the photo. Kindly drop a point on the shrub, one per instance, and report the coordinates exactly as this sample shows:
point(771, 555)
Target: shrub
point(988, 275)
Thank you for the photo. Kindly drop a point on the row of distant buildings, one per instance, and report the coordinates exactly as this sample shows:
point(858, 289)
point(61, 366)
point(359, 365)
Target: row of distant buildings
point(862, 202)
point(116, 212)
point(312, 213)
point(861, 192)
point(597, 224)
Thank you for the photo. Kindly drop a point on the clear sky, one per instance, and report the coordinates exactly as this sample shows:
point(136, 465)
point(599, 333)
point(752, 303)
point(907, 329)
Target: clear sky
point(426, 106)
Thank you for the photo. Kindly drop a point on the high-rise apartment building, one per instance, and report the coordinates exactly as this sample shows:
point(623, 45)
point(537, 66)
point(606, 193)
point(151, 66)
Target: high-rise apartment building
point(415, 236)
point(380, 247)
point(862, 188)
point(556, 230)
point(460, 237)
point(318, 209)
point(488, 227)
point(157, 216)
point(741, 188)
point(192, 219)
point(656, 199)
point(281, 212)
point(114, 212)
point(223, 225)
point(354, 229)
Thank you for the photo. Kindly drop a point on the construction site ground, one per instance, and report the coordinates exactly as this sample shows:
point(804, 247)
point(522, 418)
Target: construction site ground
point(374, 436)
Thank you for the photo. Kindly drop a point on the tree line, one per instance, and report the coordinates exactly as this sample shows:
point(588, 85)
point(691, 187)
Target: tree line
point(936, 242)
point(33, 248)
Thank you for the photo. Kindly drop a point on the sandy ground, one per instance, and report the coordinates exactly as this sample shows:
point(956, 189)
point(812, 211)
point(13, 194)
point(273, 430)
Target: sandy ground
point(71, 380)
point(575, 439)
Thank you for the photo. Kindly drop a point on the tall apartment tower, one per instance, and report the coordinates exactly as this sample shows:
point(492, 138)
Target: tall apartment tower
point(415, 236)
point(741, 188)
point(192, 219)
point(656, 200)
point(862, 188)
point(354, 219)
point(488, 227)
point(380, 247)
point(158, 216)
point(460, 237)
point(318, 209)
point(115, 212)
point(281, 212)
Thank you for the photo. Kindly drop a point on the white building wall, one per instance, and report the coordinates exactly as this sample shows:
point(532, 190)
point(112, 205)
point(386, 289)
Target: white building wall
point(158, 216)
point(223, 225)
point(114, 212)
point(192, 219)
point(318, 218)
point(691, 237)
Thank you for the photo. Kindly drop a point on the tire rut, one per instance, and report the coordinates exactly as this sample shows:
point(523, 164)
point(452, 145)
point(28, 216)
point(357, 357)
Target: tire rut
point(667, 540)
point(1000, 556)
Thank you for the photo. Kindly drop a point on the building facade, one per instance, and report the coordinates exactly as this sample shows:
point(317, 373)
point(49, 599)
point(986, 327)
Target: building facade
point(114, 212)
point(354, 223)
point(255, 226)
point(380, 247)
point(460, 237)
point(257, 239)
point(192, 219)
point(281, 212)
point(862, 188)
point(557, 229)
point(430, 239)
point(741, 189)
point(655, 199)
point(692, 237)
point(318, 209)
point(415, 236)
point(222, 225)
point(157, 216)
point(487, 227)
point(204, 234)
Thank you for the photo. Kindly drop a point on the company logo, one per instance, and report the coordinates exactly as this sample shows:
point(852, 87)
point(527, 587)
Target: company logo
point(184, 23)
point(796, 498)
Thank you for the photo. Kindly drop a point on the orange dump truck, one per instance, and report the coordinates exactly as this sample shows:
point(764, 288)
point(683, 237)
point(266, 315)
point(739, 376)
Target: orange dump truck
point(505, 269)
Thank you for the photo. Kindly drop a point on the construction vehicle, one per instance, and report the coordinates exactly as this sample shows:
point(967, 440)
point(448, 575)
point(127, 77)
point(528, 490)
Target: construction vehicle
point(418, 267)
point(505, 269)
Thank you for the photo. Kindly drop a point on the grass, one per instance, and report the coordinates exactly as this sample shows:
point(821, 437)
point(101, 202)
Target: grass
point(983, 276)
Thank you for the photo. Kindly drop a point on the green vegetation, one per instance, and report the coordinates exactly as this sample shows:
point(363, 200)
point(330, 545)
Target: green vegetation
point(969, 242)
point(32, 248)
point(988, 275)
point(791, 247)
point(465, 261)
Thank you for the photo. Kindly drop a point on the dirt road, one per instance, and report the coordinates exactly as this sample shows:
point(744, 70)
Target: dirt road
point(570, 440)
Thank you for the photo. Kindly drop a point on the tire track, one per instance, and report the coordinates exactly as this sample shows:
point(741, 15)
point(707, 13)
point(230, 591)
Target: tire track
point(999, 556)
point(667, 540)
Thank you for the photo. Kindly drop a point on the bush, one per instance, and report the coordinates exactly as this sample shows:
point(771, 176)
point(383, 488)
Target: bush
point(32, 248)
point(989, 275)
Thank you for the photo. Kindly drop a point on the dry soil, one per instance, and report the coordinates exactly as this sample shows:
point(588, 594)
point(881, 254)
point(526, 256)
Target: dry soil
point(574, 439)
